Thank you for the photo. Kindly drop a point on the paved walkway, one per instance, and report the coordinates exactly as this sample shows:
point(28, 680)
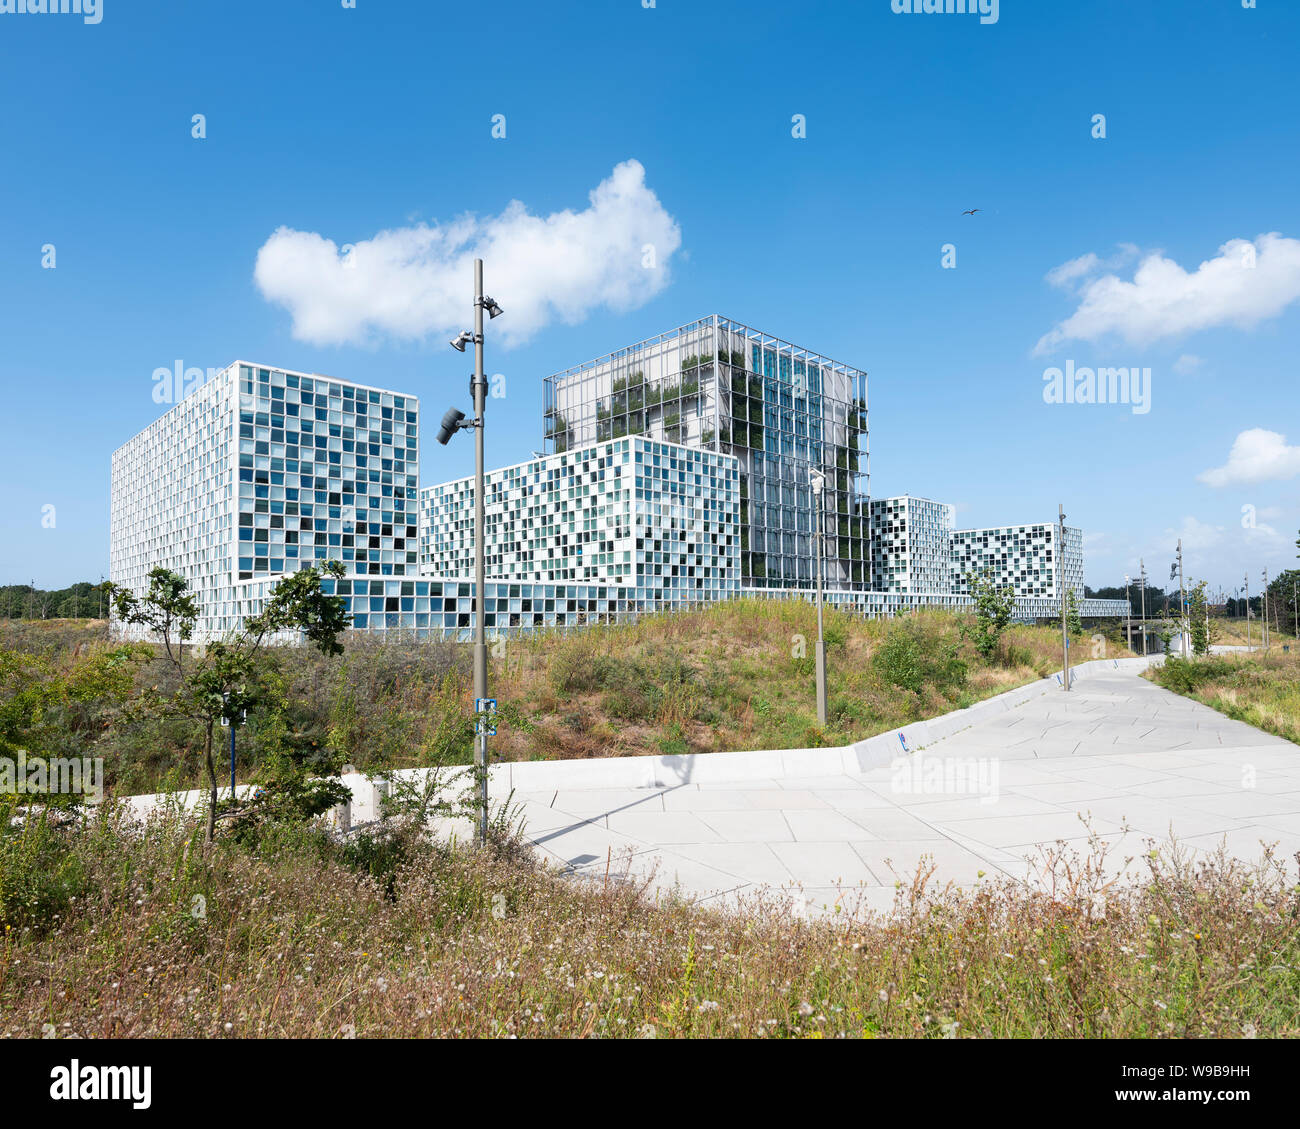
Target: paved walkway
point(1117, 749)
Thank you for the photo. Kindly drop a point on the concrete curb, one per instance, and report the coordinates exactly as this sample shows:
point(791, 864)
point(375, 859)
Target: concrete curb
point(885, 747)
point(721, 768)
point(701, 768)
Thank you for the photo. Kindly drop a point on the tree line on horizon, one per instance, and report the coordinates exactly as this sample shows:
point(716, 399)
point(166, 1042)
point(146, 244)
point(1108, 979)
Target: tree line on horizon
point(85, 600)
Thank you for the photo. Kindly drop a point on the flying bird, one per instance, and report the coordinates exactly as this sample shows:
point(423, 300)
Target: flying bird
point(971, 212)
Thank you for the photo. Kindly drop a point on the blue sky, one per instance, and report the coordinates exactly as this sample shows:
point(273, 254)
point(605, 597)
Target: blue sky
point(340, 123)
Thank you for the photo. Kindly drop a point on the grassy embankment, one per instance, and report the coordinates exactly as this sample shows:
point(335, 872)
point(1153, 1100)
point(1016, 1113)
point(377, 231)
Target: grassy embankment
point(730, 676)
point(1259, 688)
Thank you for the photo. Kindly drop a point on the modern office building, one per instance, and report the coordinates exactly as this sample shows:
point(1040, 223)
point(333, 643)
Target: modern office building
point(910, 550)
point(260, 472)
point(679, 472)
point(655, 522)
point(1024, 557)
point(173, 499)
point(779, 409)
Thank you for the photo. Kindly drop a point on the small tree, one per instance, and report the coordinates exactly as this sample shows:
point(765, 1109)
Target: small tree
point(1198, 624)
point(1072, 621)
point(993, 608)
point(166, 609)
point(225, 681)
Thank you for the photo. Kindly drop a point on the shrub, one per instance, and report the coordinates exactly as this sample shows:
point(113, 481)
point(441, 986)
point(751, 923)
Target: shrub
point(40, 875)
point(915, 654)
point(1186, 676)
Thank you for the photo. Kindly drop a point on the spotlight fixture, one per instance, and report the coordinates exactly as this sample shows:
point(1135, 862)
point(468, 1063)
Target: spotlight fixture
point(461, 340)
point(451, 422)
point(490, 304)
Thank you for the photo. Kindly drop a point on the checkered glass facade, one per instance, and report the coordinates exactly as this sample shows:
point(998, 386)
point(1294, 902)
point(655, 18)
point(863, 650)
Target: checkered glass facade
point(657, 522)
point(172, 500)
point(678, 474)
point(1023, 557)
point(328, 470)
point(261, 472)
point(910, 545)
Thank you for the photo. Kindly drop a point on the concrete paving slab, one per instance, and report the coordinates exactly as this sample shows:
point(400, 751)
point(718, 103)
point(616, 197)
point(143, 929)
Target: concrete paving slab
point(749, 826)
point(825, 864)
point(1124, 751)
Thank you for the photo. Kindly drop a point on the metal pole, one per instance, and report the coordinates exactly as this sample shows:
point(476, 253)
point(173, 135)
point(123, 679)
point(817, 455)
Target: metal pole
point(1065, 630)
point(1128, 615)
point(1183, 617)
point(232, 760)
point(1143, 567)
point(480, 603)
point(821, 642)
point(1247, 581)
point(1265, 609)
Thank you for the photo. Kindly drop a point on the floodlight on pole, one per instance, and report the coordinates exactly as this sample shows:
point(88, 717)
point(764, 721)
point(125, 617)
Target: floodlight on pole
point(453, 421)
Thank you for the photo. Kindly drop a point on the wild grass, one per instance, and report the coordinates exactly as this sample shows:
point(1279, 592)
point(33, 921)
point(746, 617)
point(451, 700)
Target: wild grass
point(740, 675)
point(296, 937)
point(728, 676)
point(1259, 688)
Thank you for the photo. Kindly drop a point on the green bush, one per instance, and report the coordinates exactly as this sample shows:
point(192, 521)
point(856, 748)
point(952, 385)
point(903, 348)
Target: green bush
point(1186, 676)
point(626, 705)
point(40, 874)
point(898, 661)
point(914, 655)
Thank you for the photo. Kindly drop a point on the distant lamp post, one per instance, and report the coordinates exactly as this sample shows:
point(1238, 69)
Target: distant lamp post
point(1065, 627)
point(818, 482)
point(1128, 615)
point(453, 421)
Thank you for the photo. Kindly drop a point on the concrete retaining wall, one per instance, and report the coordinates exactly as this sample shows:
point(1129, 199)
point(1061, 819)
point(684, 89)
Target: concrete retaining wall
point(699, 768)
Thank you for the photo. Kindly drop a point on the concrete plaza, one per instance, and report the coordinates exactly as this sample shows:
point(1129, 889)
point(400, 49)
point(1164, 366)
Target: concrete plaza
point(1116, 751)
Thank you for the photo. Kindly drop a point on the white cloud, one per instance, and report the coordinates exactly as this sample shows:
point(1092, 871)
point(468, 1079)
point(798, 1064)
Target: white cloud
point(1247, 284)
point(1078, 268)
point(408, 282)
point(1187, 364)
point(1085, 265)
point(1257, 455)
point(1197, 536)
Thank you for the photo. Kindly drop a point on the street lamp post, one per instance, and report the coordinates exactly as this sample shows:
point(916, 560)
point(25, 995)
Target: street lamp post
point(818, 481)
point(1143, 570)
point(1128, 614)
point(1065, 628)
point(1265, 610)
point(451, 422)
point(1246, 582)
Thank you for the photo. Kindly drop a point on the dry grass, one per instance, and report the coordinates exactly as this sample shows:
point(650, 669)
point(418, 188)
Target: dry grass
point(1232, 632)
point(729, 676)
point(739, 676)
point(154, 938)
point(1260, 688)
